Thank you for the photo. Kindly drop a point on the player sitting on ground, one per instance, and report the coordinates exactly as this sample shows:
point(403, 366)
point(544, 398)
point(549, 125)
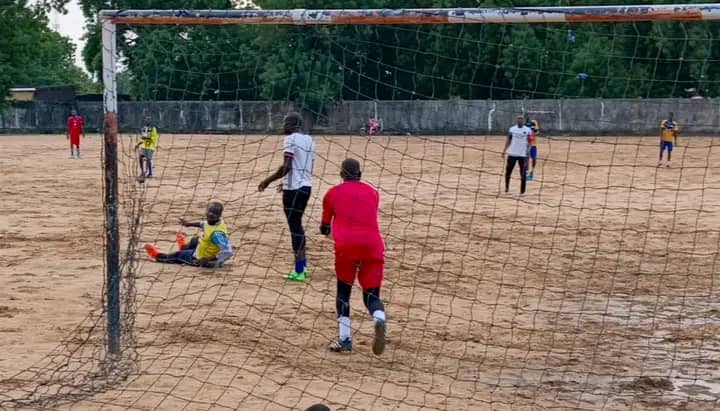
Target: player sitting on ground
point(297, 167)
point(535, 127)
point(149, 141)
point(210, 250)
point(351, 209)
point(75, 127)
point(668, 134)
point(517, 147)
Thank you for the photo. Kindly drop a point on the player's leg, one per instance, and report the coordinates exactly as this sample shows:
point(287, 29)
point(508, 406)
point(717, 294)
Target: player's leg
point(533, 159)
point(345, 271)
point(185, 256)
point(662, 149)
point(669, 146)
point(141, 160)
point(148, 162)
point(370, 276)
point(523, 161)
point(510, 165)
point(294, 204)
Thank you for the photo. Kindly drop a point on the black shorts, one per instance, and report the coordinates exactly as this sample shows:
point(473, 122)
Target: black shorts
point(295, 201)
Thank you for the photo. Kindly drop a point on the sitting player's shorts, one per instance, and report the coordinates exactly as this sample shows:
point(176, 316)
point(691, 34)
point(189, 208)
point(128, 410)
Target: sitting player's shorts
point(368, 270)
point(533, 152)
point(147, 153)
point(666, 145)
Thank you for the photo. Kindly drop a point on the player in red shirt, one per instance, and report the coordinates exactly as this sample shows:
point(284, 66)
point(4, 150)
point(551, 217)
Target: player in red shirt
point(75, 125)
point(350, 211)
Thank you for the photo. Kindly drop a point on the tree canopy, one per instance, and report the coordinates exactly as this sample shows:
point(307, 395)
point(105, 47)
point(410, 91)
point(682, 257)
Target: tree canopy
point(33, 54)
point(318, 65)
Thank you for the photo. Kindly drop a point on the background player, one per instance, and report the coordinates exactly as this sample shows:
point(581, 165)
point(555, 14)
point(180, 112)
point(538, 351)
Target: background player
point(517, 148)
point(297, 167)
point(211, 249)
point(352, 209)
point(149, 140)
point(75, 127)
point(668, 134)
point(535, 127)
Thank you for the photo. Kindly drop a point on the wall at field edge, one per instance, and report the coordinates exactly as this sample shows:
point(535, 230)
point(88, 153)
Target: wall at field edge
point(556, 117)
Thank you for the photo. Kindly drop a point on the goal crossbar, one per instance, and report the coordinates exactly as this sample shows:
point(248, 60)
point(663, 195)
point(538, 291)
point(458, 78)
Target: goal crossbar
point(579, 14)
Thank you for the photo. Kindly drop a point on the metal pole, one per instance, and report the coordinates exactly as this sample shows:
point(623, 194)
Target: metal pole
point(110, 174)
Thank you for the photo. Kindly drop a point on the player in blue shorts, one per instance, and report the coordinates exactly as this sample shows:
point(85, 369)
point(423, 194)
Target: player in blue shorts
point(668, 135)
point(535, 127)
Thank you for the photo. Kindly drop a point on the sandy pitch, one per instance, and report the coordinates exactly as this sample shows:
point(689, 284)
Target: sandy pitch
point(595, 290)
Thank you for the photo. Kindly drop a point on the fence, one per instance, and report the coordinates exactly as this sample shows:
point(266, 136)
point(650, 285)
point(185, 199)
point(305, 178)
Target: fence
point(562, 116)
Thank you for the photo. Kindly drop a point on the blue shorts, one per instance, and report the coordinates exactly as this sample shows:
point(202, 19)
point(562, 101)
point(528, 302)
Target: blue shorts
point(666, 145)
point(533, 152)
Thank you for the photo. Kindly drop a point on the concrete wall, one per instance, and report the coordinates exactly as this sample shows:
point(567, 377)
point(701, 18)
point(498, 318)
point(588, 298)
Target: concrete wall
point(570, 116)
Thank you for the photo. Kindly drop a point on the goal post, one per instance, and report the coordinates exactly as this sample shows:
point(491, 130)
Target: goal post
point(518, 15)
point(442, 174)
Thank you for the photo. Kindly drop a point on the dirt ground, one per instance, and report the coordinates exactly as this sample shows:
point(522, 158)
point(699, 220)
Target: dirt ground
point(594, 290)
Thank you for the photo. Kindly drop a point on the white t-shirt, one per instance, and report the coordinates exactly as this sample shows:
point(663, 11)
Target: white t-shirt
point(301, 148)
point(518, 141)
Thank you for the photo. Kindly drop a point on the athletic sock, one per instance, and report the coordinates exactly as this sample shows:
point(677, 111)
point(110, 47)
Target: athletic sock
point(344, 328)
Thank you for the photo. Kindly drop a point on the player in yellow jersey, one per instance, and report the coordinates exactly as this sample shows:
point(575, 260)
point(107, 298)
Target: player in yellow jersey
point(148, 141)
point(533, 125)
point(211, 249)
point(668, 135)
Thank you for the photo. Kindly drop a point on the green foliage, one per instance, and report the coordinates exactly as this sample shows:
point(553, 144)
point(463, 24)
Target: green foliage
point(33, 54)
point(318, 65)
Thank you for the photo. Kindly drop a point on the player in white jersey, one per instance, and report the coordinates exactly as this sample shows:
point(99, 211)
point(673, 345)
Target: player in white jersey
point(298, 162)
point(517, 148)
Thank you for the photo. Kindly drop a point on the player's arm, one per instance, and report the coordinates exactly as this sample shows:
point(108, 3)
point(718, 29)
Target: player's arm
point(280, 173)
point(288, 154)
point(507, 144)
point(186, 223)
point(328, 214)
point(67, 129)
point(82, 126)
point(221, 240)
point(675, 134)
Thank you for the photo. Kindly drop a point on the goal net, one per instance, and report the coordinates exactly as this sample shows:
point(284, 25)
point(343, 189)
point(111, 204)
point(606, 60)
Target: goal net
point(592, 290)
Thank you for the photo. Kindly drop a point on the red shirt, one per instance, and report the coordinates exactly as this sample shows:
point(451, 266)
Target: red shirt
point(352, 207)
point(75, 125)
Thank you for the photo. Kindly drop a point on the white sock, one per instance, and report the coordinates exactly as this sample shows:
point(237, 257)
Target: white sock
point(344, 328)
point(378, 315)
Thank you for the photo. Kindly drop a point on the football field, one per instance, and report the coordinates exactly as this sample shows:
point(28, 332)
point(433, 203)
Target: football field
point(594, 290)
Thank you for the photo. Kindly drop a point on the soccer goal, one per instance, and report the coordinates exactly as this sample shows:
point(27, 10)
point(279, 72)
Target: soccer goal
point(546, 200)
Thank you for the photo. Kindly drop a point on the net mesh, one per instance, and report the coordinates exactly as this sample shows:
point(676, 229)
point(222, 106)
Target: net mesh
point(594, 290)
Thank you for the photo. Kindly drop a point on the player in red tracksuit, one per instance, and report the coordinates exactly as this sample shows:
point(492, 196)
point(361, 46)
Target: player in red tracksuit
point(75, 125)
point(350, 211)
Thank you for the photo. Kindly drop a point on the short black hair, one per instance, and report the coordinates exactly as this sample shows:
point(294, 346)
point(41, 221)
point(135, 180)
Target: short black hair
point(216, 206)
point(350, 169)
point(292, 122)
point(318, 407)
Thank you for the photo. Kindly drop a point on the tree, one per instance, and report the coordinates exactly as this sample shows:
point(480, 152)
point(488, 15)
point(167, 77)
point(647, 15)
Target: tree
point(33, 54)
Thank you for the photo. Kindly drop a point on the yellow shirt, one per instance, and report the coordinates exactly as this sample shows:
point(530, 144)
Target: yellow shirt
point(206, 248)
point(668, 130)
point(150, 138)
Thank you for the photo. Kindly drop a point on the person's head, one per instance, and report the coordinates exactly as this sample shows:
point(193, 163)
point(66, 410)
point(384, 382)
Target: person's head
point(520, 121)
point(73, 112)
point(214, 212)
point(670, 116)
point(318, 407)
point(350, 170)
point(292, 123)
point(147, 121)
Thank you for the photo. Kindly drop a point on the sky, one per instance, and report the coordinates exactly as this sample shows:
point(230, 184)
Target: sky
point(71, 25)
